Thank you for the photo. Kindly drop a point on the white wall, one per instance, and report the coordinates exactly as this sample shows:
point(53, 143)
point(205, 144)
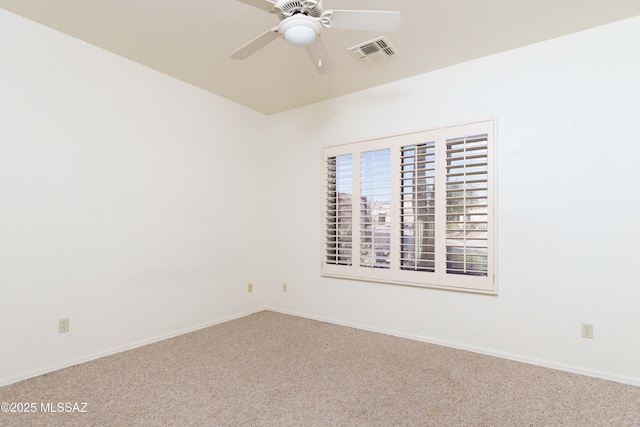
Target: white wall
point(124, 203)
point(569, 205)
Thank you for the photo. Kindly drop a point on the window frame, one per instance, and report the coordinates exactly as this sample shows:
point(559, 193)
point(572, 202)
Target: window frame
point(439, 279)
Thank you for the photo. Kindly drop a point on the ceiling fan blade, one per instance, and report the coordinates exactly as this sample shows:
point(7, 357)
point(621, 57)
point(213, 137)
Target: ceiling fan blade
point(320, 57)
point(261, 4)
point(365, 20)
point(256, 44)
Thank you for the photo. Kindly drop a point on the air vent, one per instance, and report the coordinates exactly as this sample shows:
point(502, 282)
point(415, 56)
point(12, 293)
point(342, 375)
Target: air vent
point(374, 51)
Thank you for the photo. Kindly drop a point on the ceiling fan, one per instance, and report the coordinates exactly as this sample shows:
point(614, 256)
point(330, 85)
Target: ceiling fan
point(301, 22)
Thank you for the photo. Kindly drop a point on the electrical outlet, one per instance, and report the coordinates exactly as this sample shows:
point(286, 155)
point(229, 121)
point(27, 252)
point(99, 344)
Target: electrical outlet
point(250, 287)
point(284, 287)
point(587, 330)
point(63, 325)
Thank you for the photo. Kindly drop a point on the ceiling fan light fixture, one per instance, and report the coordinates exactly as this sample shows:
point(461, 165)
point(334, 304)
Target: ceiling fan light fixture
point(300, 30)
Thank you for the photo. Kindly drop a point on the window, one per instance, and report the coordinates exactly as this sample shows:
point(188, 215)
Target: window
point(414, 209)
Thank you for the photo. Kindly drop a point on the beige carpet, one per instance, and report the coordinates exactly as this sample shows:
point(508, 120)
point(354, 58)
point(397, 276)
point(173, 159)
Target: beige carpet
point(270, 369)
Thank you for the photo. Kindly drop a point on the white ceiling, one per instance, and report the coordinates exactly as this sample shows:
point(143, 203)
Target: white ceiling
point(191, 40)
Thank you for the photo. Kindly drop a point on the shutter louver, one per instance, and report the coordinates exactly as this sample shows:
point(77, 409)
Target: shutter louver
point(467, 205)
point(417, 207)
point(339, 230)
point(375, 208)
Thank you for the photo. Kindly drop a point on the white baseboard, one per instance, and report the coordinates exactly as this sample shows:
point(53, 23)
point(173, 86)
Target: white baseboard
point(508, 356)
point(88, 358)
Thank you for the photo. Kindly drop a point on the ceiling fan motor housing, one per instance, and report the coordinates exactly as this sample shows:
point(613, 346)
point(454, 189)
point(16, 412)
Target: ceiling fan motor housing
point(291, 8)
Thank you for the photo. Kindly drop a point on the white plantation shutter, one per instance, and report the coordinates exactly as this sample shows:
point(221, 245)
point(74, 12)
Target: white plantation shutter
point(375, 208)
point(467, 205)
point(468, 179)
point(338, 206)
point(418, 208)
